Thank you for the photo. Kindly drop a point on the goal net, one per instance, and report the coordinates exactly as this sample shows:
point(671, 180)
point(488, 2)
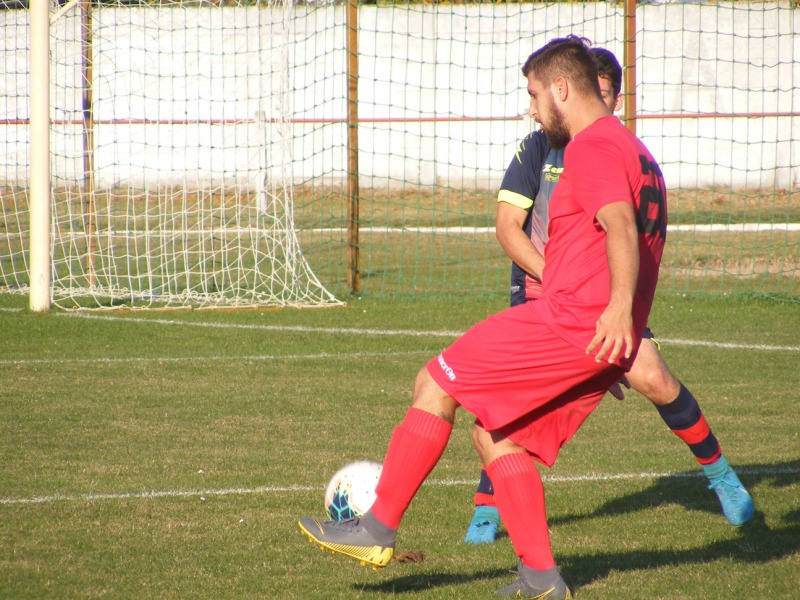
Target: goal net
point(201, 151)
point(170, 160)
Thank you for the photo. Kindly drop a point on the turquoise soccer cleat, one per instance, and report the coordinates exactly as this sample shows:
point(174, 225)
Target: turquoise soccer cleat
point(737, 505)
point(483, 527)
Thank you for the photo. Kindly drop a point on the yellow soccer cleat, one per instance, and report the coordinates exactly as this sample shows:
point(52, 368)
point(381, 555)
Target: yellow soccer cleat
point(350, 538)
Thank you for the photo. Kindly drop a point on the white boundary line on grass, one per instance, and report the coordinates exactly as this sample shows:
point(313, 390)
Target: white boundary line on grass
point(440, 230)
point(465, 229)
point(278, 328)
point(396, 332)
point(269, 489)
point(190, 359)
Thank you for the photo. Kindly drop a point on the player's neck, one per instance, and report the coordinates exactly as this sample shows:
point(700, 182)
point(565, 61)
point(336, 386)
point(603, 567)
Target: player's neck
point(587, 113)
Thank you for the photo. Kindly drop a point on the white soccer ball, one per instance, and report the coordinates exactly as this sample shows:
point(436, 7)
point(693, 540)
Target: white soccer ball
point(351, 490)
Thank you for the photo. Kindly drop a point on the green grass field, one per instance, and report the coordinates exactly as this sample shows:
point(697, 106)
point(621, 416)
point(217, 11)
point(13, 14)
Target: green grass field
point(169, 455)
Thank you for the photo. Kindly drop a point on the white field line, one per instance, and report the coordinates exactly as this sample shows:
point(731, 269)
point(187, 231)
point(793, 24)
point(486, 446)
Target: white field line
point(726, 345)
point(461, 229)
point(288, 489)
point(396, 332)
point(199, 359)
point(278, 328)
point(456, 230)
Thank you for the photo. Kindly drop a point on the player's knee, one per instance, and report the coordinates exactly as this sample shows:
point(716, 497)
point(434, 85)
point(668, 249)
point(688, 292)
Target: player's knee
point(479, 439)
point(424, 384)
point(492, 445)
point(651, 377)
point(484, 444)
point(430, 397)
point(658, 385)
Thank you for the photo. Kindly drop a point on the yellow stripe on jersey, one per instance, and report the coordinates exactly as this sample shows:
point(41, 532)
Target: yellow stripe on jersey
point(520, 150)
point(515, 199)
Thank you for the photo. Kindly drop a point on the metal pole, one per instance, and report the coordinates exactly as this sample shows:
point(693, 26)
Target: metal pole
point(88, 138)
point(629, 69)
point(354, 276)
point(39, 15)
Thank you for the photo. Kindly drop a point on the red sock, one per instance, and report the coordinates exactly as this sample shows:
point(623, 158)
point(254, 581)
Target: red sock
point(700, 441)
point(415, 448)
point(484, 500)
point(519, 495)
point(685, 418)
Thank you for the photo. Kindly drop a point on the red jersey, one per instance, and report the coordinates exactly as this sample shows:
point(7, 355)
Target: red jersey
point(524, 371)
point(604, 163)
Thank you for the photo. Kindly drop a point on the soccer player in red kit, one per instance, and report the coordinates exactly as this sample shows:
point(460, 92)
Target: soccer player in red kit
point(607, 230)
point(522, 218)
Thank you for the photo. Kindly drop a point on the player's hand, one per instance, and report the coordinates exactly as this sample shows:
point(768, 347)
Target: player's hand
point(613, 334)
point(616, 388)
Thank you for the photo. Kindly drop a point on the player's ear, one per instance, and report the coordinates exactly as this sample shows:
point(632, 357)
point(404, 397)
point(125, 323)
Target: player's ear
point(561, 87)
point(618, 103)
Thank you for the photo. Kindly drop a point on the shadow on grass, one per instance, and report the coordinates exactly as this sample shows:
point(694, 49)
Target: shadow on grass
point(409, 584)
point(689, 490)
point(756, 542)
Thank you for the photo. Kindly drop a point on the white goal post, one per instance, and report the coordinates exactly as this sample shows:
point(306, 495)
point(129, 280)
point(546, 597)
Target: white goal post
point(40, 156)
point(149, 187)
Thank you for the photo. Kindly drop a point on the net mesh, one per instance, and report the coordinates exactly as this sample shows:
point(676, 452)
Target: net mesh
point(170, 160)
point(217, 170)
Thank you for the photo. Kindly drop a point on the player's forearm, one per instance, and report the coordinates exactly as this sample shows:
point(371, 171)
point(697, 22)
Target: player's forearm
point(520, 249)
point(622, 248)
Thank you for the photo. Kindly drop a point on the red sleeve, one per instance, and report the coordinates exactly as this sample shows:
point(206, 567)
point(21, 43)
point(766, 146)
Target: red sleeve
point(598, 172)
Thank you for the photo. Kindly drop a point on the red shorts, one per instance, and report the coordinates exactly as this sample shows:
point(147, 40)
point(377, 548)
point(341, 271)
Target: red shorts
point(521, 379)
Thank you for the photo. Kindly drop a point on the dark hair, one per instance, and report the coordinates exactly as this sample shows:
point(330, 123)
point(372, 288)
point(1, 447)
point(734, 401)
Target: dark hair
point(568, 57)
point(608, 67)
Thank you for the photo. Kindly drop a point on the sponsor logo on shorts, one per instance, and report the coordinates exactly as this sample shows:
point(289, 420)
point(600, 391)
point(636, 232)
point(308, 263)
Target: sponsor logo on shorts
point(451, 375)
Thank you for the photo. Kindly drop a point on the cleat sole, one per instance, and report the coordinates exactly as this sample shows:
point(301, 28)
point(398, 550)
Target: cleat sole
point(376, 556)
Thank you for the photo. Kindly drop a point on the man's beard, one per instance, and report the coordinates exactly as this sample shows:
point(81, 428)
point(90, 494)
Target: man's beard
point(556, 131)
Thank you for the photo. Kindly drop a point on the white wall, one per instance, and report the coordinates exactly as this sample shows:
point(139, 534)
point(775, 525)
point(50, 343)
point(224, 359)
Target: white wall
point(419, 63)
